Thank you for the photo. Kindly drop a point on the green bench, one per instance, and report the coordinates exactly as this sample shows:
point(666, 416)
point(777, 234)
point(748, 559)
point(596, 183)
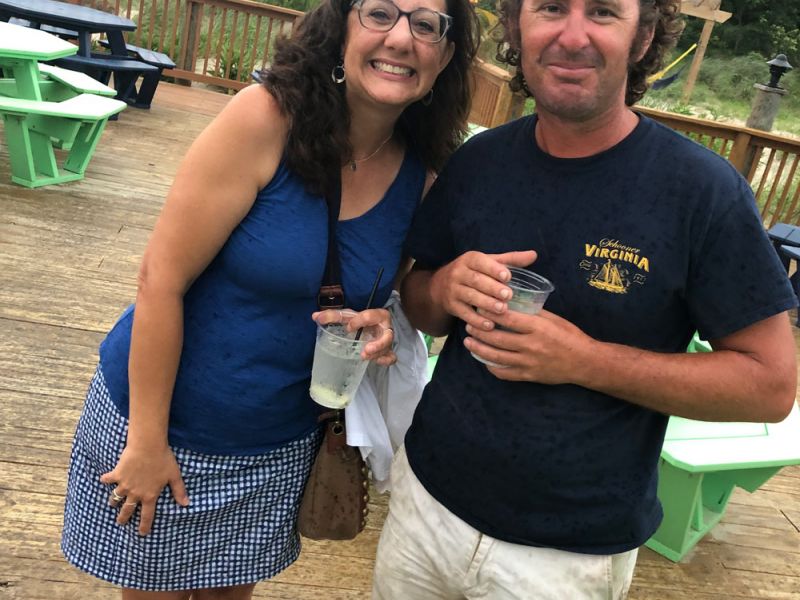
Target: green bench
point(64, 84)
point(77, 82)
point(32, 125)
point(100, 66)
point(57, 84)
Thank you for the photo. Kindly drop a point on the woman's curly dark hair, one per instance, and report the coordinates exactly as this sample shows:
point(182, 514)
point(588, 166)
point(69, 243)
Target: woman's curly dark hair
point(661, 16)
point(300, 80)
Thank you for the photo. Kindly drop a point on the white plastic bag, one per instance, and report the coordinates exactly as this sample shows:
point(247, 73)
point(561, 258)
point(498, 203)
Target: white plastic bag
point(381, 412)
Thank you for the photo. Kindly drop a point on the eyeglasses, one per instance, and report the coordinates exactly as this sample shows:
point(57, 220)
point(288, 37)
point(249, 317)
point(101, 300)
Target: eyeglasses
point(381, 15)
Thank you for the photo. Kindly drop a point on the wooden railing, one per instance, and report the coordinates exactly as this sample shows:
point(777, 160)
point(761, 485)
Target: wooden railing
point(493, 103)
point(768, 161)
point(771, 163)
point(218, 42)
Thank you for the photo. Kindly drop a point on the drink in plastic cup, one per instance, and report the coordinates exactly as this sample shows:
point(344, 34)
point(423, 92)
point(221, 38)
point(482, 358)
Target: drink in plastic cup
point(338, 367)
point(529, 292)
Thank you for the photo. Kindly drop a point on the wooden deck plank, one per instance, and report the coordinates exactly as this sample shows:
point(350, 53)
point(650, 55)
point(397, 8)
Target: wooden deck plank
point(68, 258)
point(761, 517)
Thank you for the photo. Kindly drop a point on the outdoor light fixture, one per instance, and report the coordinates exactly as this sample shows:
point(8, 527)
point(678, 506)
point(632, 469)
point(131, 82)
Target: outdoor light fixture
point(777, 67)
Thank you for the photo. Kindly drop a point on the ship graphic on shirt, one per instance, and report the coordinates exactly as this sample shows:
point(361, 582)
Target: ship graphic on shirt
point(608, 279)
point(613, 266)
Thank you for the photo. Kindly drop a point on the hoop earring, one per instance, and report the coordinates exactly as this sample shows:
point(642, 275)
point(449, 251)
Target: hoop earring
point(337, 73)
point(428, 98)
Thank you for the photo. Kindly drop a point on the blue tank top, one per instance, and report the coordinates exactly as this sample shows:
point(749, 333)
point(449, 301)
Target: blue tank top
point(242, 383)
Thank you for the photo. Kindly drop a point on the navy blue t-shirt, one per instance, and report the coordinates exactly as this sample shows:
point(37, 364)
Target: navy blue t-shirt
point(646, 242)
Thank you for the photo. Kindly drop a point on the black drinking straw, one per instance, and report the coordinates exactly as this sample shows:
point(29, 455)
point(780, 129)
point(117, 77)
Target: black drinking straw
point(369, 300)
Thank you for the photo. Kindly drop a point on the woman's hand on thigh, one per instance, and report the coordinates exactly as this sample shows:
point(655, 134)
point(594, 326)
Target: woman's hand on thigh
point(139, 478)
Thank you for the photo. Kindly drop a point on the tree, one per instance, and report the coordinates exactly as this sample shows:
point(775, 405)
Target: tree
point(763, 26)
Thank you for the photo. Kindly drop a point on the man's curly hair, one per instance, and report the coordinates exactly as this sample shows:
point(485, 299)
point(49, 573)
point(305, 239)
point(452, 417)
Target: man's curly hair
point(300, 80)
point(660, 16)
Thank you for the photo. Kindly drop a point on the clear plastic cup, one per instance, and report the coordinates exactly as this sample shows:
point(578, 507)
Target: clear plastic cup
point(338, 367)
point(529, 292)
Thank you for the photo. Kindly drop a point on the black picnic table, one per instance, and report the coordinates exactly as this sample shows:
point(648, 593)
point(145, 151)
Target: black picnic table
point(85, 21)
point(786, 240)
point(81, 19)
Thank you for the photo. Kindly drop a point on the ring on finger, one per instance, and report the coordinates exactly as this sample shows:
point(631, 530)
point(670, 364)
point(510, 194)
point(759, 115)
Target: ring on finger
point(131, 504)
point(115, 497)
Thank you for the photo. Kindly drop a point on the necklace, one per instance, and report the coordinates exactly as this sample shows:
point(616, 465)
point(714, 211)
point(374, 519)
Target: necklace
point(354, 161)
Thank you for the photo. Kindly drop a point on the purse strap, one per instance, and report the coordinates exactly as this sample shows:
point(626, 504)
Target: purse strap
point(331, 293)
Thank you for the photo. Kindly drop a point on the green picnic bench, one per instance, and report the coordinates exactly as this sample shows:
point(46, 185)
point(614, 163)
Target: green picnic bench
point(31, 125)
point(56, 84)
point(77, 82)
point(100, 66)
point(69, 84)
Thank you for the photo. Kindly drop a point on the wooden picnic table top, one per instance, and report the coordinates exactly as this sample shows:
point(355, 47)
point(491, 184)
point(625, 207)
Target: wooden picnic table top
point(19, 42)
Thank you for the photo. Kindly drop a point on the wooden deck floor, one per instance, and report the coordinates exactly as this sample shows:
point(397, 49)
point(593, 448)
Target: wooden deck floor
point(68, 259)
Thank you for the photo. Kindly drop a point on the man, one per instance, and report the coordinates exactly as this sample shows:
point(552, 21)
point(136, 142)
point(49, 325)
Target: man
point(538, 479)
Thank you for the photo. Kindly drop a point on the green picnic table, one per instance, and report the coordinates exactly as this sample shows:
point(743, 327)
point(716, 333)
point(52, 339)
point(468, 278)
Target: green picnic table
point(21, 49)
point(703, 462)
point(43, 107)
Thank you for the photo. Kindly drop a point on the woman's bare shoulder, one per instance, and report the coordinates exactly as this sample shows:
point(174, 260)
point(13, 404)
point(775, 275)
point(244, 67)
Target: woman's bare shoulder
point(250, 130)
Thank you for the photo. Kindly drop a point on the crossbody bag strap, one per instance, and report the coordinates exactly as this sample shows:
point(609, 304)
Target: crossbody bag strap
point(331, 293)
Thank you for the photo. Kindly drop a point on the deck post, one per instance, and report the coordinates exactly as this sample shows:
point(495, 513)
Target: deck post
point(192, 24)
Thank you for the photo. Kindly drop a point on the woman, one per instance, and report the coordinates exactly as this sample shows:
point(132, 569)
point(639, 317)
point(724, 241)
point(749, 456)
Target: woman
point(198, 431)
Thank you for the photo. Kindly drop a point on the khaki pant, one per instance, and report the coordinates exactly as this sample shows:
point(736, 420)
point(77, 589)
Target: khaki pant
point(428, 553)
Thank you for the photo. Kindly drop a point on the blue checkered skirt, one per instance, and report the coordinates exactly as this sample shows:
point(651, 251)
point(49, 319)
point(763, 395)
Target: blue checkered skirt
point(239, 527)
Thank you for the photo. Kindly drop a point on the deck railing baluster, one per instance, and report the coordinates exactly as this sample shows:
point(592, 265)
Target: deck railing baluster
point(231, 42)
point(207, 53)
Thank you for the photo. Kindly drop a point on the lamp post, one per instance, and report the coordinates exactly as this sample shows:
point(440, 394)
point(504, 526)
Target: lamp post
point(765, 108)
point(777, 67)
point(768, 96)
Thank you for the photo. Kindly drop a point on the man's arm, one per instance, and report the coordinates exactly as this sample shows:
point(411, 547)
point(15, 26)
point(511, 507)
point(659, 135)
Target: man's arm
point(750, 376)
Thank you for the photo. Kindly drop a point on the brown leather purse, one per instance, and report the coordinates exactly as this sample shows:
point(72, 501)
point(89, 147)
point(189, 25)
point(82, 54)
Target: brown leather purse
point(334, 503)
